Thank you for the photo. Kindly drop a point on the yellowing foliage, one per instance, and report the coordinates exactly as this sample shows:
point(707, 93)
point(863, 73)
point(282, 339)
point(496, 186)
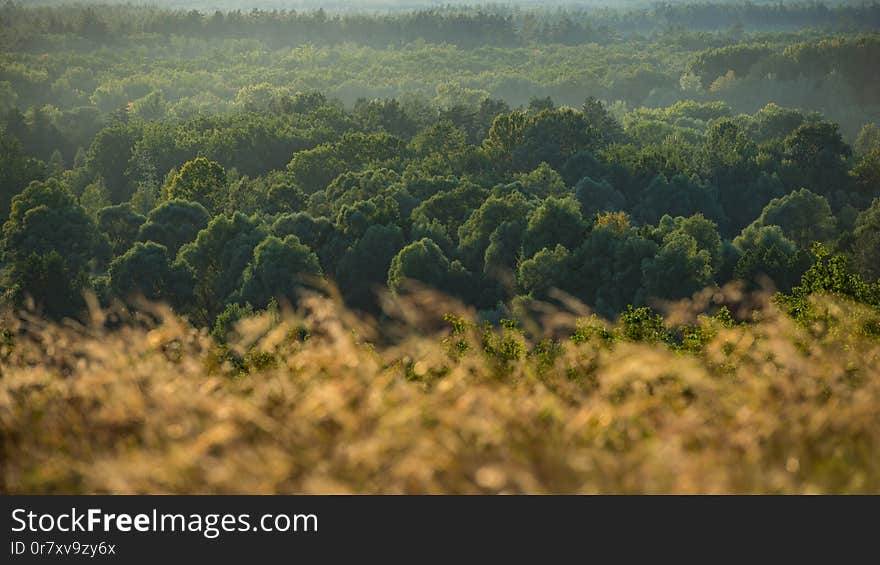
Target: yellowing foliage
point(767, 407)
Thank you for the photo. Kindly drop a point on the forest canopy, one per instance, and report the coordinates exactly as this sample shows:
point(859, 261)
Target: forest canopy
point(225, 161)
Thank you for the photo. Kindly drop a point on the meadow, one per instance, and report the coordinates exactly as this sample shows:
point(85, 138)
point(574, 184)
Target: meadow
point(772, 406)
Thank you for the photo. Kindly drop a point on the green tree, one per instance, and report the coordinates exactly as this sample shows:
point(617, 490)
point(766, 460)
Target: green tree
point(679, 269)
point(868, 139)
point(678, 196)
point(775, 122)
point(815, 156)
point(174, 223)
point(866, 242)
point(146, 270)
point(200, 180)
point(555, 221)
point(804, 216)
point(546, 270)
point(121, 226)
point(150, 107)
point(17, 170)
point(364, 267)
point(354, 220)
point(439, 138)
point(279, 270)
point(607, 268)
point(598, 196)
point(702, 230)
point(829, 274)
point(728, 157)
point(386, 115)
point(867, 173)
point(217, 259)
point(424, 262)
point(765, 251)
point(95, 197)
point(262, 97)
point(475, 233)
point(49, 235)
point(351, 187)
point(773, 266)
point(643, 325)
point(108, 157)
point(542, 182)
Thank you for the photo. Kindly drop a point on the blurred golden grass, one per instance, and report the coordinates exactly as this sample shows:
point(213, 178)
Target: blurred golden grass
point(152, 407)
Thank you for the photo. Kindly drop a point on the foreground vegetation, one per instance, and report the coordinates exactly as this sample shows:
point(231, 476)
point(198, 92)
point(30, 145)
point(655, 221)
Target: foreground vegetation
point(773, 406)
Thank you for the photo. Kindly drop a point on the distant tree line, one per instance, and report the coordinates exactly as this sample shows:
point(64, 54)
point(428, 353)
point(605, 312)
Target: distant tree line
point(502, 26)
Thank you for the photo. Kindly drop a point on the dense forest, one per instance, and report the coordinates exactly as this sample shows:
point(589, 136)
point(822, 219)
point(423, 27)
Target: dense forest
point(234, 165)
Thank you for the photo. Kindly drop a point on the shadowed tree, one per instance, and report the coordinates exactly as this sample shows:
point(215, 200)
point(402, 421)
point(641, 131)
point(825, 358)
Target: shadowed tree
point(450, 208)
point(607, 268)
point(744, 202)
point(765, 252)
point(504, 249)
point(311, 231)
point(546, 270)
point(679, 269)
point(424, 262)
point(48, 243)
point(147, 270)
point(602, 124)
point(174, 223)
point(121, 225)
point(108, 157)
point(814, 158)
point(866, 242)
point(364, 267)
point(552, 136)
point(555, 221)
point(596, 197)
point(474, 234)
point(218, 258)
point(17, 170)
point(581, 164)
point(678, 196)
point(279, 270)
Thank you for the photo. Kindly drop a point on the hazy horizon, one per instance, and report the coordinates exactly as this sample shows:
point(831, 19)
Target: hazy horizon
point(370, 5)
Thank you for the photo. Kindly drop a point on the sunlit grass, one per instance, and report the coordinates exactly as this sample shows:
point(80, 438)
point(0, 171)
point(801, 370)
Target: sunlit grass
point(155, 407)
